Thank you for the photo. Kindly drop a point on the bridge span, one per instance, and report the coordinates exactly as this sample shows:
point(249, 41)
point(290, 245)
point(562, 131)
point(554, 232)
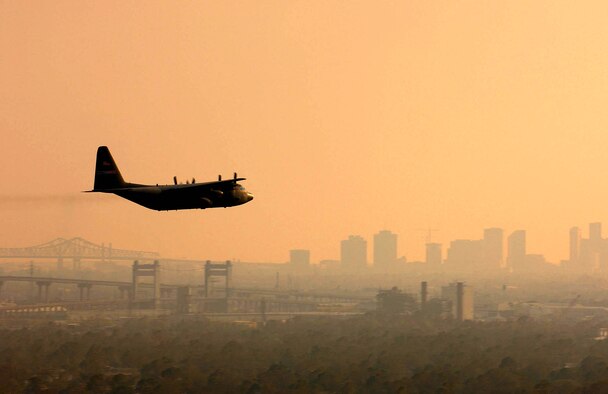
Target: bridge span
point(183, 298)
point(126, 289)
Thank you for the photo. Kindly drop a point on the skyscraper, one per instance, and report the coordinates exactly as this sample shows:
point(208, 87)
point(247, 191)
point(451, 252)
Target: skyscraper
point(299, 258)
point(595, 232)
point(575, 240)
point(492, 247)
point(353, 252)
point(433, 254)
point(385, 249)
point(516, 249)
point(465, 253)
point(589, 254)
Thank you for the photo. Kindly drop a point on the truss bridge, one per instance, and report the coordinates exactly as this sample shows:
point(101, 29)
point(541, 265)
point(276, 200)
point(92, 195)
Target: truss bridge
point(75, 248)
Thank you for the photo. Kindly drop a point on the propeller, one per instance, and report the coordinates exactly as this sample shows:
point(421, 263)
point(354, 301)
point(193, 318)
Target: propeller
point(219, 177)
point(175, 180)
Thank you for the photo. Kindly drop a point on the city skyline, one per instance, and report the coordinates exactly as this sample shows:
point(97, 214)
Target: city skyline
point(497, 248)
point(510, 248)
point(345, 118)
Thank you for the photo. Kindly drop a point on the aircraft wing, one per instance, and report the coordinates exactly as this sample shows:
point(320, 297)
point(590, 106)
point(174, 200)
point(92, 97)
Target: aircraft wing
point(205, 185)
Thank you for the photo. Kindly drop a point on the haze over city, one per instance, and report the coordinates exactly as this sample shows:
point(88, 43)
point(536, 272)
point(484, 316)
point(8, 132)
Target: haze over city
point(288, 197)
point(346, 118)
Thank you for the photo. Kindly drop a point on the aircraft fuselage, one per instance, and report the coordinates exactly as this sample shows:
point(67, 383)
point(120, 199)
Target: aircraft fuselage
point(176, 197)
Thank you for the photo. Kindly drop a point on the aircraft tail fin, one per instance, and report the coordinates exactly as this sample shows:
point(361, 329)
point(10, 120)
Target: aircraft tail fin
point(107, 175)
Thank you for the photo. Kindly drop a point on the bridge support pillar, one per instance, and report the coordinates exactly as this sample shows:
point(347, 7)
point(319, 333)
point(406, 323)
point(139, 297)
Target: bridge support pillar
point(152, 270)
point(85, 291)
point(219, 269)
point(263, 309)
point(184, 300)
point(125, 292)
point(43, 285)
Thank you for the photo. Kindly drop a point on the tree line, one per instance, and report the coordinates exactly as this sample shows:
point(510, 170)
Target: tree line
point(372, 353)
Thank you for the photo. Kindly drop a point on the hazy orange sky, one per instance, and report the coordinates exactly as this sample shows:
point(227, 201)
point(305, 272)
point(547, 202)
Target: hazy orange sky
point(347, 117)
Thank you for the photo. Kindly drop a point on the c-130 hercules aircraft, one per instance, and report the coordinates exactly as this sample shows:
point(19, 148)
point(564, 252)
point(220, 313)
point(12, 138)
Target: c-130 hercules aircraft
point(220, 193)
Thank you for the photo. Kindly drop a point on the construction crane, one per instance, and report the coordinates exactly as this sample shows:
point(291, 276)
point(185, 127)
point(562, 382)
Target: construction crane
point(429, 233)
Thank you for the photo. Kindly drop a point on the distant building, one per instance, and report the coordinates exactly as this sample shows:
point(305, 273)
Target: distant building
point(516, 249)
point(395, 301)
point(385, 249)
point(401, 261)
point(433, 254)
point(483, 254)
point(329, 264)
point(465, 253)
point(536, 261)
point(493, 247)
point(588, 257)
point(353, 252)
point(591, 254)
point(299, 258)
point(595, 232)
point(575, 241)
point(461, 298)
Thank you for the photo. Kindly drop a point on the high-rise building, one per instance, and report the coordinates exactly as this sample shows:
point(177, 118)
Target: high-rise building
point(592, 252)
point(492, 247)
point(299, 258)
point(586, 255)
point(353, 252)
point(516, 249)
point(385, 249)
point(461, 298)
point(575, 241)
point(595, 232)
point(465, 253)
point(433, 254)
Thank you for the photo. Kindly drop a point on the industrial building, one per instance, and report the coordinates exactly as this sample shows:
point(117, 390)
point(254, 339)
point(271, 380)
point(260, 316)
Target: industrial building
point(461, 298)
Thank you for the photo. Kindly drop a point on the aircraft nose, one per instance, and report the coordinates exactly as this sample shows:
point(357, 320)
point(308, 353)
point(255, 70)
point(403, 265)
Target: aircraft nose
point(249, 196)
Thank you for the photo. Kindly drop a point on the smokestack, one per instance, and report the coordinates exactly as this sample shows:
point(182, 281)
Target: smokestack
point(423, 295)
point(460, 301)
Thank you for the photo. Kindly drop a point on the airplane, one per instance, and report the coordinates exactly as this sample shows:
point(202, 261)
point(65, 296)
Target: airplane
point(216, 194)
